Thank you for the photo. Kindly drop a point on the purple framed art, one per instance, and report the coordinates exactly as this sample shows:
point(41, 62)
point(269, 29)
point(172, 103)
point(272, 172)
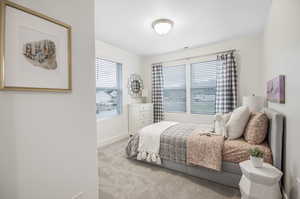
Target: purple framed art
point(276, 90)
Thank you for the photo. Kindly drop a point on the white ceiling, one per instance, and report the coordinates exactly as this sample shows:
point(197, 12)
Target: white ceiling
point(127, 23)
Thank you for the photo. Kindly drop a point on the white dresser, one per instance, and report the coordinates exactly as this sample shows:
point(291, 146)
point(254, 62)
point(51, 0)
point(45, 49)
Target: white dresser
point(140, 115)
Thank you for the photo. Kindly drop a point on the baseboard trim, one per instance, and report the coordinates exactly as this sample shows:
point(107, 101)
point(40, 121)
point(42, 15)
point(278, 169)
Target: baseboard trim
point(112, 140)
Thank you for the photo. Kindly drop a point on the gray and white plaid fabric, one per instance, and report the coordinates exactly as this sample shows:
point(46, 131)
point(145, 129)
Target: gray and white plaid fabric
point(226, 94)
point(173, 142)
point(157, 92)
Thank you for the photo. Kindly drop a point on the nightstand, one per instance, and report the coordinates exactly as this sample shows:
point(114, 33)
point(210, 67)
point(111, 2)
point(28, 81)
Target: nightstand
point(260, 183)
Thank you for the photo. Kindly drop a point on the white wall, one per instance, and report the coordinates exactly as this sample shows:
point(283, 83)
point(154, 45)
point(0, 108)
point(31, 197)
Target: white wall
point(48, 140)
point(281, 56)
point(249, 62)
point(111, 129)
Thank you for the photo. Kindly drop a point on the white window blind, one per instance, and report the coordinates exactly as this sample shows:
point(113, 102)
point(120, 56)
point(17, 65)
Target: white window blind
point(108, 88)
point(203, 87)
point(174, 88)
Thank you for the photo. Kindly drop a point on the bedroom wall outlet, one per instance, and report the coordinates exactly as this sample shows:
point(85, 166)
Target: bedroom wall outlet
point(78, 196)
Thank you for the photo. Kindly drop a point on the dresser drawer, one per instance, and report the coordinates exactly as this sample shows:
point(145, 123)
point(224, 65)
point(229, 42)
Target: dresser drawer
point(146, 107)
point(145, 114)
point(148, 122)
point(140, 115)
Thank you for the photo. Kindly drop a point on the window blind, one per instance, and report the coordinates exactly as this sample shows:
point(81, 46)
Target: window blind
point(108, 88)
point(106, 73)
point(203, 87)
point(174, 88)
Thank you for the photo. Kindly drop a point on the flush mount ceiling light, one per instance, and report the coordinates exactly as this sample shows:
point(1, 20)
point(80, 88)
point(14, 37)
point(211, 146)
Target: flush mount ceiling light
point(162, 26)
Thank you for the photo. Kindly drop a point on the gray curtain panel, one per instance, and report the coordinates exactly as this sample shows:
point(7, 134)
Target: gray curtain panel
point(226, 94)
point(157, 92)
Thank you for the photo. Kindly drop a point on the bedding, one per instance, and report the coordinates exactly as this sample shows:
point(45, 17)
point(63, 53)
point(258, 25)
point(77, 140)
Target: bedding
point(149, 141)
point(237, 151)
point(237, 122)
point(173, 142)
point(173, 145)
point(220, 123)
point(205, 149)
point(231, 173)
point(257, 128)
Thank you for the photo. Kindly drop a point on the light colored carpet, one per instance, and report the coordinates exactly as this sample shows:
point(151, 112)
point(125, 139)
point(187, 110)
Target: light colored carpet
point(122, 178)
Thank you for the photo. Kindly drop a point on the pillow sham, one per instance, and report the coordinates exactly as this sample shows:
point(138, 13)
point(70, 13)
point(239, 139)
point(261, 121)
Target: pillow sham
point(237, 122)
point(220, 123)
point(257, 128)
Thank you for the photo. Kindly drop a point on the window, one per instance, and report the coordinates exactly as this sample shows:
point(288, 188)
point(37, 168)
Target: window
point(174, 88)
point(108, 88)
point(203, 87)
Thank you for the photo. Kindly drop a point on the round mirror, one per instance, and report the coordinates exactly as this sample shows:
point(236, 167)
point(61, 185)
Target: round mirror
point(135, 85)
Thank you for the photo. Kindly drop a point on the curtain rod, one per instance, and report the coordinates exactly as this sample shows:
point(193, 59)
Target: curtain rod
point(193, 57)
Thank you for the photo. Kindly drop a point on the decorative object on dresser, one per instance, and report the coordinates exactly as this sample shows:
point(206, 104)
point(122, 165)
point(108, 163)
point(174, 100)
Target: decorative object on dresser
point(35, 51)
point(135, 85)
point(260, 183)
point(255, 103)
point(276, 90)
point(140, 115)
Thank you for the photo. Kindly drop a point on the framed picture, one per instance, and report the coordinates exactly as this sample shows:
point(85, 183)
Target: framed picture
point(35, 51)
point(276, 90)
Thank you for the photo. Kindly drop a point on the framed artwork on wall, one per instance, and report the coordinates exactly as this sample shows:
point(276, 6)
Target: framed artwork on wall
point(35, 51)
point(276, 90)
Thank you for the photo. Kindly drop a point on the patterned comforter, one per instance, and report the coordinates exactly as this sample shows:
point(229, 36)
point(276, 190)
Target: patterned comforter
point(172, 143)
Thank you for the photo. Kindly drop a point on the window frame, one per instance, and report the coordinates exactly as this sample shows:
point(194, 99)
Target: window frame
point(191, 83)
point(188, 82)
point(119, 88)
point(185, 88)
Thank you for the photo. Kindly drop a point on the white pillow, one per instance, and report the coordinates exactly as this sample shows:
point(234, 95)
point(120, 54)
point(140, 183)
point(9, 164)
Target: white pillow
point(237, 122)
point(220, 123)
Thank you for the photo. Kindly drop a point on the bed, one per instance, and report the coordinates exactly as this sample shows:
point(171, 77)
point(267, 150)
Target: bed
point(173, 152)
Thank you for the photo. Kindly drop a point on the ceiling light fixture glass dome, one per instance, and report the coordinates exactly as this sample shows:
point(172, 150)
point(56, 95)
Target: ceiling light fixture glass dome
point(162, 26)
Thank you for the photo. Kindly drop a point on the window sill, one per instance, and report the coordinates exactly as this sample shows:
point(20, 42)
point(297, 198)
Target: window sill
point(176, 112)
point(202, 114)
point(193, 114)
point(99, 119)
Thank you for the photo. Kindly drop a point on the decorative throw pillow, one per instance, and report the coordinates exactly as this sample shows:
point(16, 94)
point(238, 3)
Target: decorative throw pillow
point(220, 123)
point(257, 128)
point(237, 122)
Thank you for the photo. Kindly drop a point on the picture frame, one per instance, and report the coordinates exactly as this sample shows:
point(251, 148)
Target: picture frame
point(35, 51)
point(276, 90)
